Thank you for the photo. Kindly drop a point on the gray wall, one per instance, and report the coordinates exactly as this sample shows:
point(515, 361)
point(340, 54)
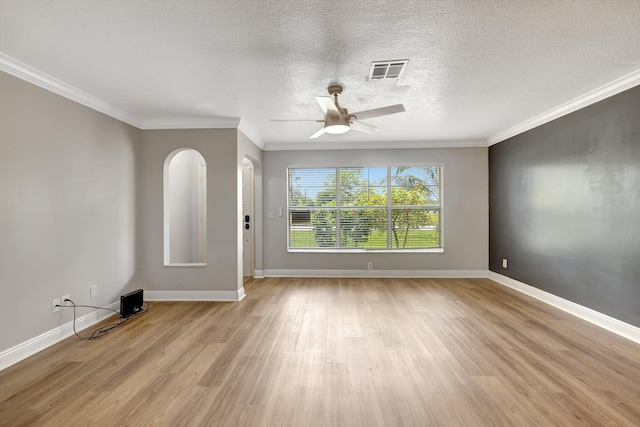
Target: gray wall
point(218, 147)
point(68, 191)
point(465, 209)
point(81, 204)
point(565, 207)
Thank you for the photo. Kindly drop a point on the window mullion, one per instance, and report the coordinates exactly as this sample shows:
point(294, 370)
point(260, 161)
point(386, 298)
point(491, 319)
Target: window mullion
point(338, 204)
point(389, 222)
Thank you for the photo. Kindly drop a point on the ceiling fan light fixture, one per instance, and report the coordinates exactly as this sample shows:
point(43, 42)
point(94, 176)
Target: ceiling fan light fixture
point(337, 129)
point(336, 124)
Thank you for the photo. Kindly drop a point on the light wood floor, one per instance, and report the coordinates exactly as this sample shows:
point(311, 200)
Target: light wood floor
point(337, 352)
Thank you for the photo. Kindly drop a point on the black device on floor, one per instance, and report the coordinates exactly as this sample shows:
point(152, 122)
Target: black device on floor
point(131, 304)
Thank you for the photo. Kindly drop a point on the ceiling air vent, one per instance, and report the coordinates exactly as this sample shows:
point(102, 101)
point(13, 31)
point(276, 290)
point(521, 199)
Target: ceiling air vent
point(387, 69)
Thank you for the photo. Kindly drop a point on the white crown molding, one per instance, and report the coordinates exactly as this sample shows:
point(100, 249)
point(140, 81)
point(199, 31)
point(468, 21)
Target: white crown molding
point(251, 134)
point(619, 85)
point(25, 72)
point(331, 145)
point(602, 320)
point(22, 351)
point(226, 296)
point(400, 274)
point(190, 123)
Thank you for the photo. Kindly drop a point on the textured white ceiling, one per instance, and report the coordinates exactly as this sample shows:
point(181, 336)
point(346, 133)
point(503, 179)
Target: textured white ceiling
point(477, 67)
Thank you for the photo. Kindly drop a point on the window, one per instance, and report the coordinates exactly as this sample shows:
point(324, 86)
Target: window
point(351, 209)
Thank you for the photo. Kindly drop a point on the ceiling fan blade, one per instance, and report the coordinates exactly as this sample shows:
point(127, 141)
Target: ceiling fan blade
point(362, 127)
point(296, 120)
point(377, 112)
point(317, 134)
point(327, 105)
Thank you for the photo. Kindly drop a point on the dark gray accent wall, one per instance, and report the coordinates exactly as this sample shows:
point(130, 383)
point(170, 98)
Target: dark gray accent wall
point(564, 207)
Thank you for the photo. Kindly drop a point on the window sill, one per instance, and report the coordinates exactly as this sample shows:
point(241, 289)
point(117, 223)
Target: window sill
point(187, 264)
point(367, 251)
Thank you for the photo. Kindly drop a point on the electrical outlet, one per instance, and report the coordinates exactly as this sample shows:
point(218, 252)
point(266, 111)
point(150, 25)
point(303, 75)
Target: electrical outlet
point(64, 297)
point(369, 266)
point(54, 305)
point(504, 263)
point(93, 292)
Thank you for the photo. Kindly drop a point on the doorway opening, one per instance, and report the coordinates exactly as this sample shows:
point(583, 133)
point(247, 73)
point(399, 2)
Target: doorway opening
point(248, 218)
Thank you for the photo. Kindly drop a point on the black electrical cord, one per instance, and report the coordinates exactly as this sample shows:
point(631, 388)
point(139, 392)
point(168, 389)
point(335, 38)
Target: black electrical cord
point(105, 329)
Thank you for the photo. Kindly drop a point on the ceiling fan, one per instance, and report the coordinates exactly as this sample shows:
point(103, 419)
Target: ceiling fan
point(338, 120)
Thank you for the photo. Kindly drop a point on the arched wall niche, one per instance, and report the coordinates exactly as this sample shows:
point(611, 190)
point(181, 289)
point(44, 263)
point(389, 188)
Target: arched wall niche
point(185, 209)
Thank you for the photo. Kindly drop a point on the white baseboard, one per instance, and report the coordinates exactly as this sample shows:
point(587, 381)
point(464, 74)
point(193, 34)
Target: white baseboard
point(258, 274)
point(230, 296)
point(378, 273)
point(22, 351)
point(609, 323)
